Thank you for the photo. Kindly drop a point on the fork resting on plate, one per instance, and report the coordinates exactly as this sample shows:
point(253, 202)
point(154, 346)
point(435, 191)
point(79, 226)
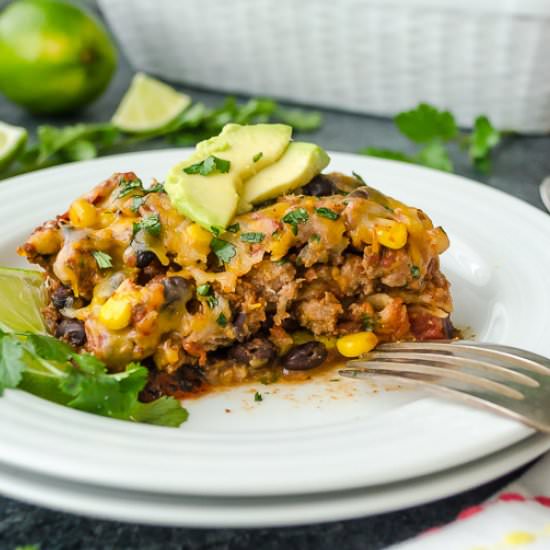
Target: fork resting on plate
point(504, 379)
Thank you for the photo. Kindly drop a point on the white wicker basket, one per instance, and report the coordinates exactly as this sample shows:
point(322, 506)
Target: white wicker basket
point(368, 56)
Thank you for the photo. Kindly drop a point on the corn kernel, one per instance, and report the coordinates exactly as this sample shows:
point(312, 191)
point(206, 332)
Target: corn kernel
point(106, 218)
point(199, 238)
point(392, 235)
point(46, 242)
point(82, 214)
point(115, 313)
point(356, 344)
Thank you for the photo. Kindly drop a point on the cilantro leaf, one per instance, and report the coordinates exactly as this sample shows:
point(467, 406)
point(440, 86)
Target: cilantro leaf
point(49, 348)
point(137, 202)
point(327, 213)
point(204, 290)
point(12, 362)
point(368, 323)
point(415, 272)
point(302, 121)
point(165, 411)
point(252, 237)
point(258, 397)
point(222, 320)
point(359, 177)
point(224, 250)
point(128, 187)
point(210, 165)
point(158, 187)
point(257, 156)
point(233, 228)
point(151, 224)
point(426, 123)
point(484, 138)
point(294, 217)
point(81, 149)
point(103, 260)
point(435, 155)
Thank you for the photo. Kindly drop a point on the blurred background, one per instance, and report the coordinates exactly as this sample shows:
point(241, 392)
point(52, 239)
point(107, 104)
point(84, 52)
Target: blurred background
point(393, 79)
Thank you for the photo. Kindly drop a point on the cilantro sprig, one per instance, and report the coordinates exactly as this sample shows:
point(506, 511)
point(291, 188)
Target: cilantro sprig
point(295, 217)
point(57, 145)
point(51, 369)
point(210, 165)
point(224, 250)
point(434, 130)
point(103, 260)
point(151, 224)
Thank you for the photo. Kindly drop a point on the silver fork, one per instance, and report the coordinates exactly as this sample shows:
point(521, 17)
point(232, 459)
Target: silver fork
point(507, 380)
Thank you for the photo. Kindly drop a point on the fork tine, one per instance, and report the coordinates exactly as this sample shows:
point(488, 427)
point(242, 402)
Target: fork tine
point(430, 384)
point(454, 362)
point(437, 369)
point(506, 354)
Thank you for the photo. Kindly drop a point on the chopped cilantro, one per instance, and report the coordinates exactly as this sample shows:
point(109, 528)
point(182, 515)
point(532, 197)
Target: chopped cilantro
point(204, 290)
point(208, 293)
point(212, 301)
point(102, 259)
point(210, 165)
point(415, 271)
point(294, 217)
point(127, 187)
point(257, 156)
point(215, 230)
point(252, 237)
point(282, 261)
point(233, 228)
point(327, 213)
point(157, 188)
point(221, 320)
point(359, 177)
point(315, 238)
point(258, 397)
point(224, 250)
point(367, 322)
point(136, 203)
point(151, 224)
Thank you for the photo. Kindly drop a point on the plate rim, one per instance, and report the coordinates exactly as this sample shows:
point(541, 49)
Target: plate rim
point(343, 157)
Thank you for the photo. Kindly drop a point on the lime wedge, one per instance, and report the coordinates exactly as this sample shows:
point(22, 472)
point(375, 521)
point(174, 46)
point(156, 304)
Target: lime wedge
point(148, 105)
point(21, 297)
point(12, 140)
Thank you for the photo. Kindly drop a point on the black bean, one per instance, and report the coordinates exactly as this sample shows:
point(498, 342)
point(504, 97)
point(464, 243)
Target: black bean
point(71, 330)
point(62, 297)
point(256, 352)
point(290, 324)
point(305, 356)
point(176, 288)
point(144, 258)
point(319, 186)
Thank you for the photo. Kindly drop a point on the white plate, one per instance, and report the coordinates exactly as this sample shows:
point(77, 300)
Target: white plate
point(300, 439)
point(197, 511)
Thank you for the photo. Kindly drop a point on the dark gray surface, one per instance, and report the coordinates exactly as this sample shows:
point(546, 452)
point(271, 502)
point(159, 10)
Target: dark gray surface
point(519, 166)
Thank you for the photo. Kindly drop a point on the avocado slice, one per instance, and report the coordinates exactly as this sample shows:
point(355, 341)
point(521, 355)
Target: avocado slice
point(211, 200)
point(300, 163)
point(249, 148)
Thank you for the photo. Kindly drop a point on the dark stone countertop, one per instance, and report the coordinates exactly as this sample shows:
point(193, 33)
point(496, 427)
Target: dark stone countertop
point(519, 166)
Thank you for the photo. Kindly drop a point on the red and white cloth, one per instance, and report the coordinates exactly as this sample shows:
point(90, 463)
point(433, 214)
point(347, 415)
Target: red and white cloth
point(516, 518)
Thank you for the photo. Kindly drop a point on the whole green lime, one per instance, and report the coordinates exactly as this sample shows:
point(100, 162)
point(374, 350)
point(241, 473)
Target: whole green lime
point(54, 56)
